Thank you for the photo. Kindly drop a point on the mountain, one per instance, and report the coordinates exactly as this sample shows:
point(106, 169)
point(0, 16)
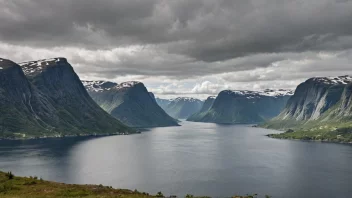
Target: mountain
point(311, 100)
point(163, 103)
point(181, 107)
point(152, 96)
point(23, 108)
point(32, 106)
point(241, 106)
point(319, 108)
point(129, 102)
point(74, 112)
point(208, 103)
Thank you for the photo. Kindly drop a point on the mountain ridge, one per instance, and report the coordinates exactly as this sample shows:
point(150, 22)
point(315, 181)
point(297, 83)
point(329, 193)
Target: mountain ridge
point(130, 102)
point(244, 106)
point(320, 109)
point(50, 101)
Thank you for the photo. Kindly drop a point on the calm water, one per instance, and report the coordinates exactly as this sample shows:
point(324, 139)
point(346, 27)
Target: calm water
point(197, 158)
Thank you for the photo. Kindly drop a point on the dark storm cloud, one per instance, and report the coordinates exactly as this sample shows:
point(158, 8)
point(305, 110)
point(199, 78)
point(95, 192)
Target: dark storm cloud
point(206, 30)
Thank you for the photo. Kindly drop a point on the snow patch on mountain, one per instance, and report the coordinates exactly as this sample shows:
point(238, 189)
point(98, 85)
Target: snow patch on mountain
point(37, 66)
point(100, 86)
point(337, 80)
point(186, 99)
point(255, 94)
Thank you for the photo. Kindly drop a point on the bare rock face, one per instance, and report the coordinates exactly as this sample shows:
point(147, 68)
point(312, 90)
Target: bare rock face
point(129, 102)
point(46, 98)
point(317, 101)
point(312, 98)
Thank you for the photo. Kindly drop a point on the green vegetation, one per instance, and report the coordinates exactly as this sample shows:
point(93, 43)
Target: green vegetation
point(327, 131)
point(16, 187)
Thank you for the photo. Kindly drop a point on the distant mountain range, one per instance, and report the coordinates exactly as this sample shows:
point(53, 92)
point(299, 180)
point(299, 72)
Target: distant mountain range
point(163, 103)
point(241, 106)
point(46, 98)
point(320, 109)
point(208, 103)
point(181, 107)
point(129, 102)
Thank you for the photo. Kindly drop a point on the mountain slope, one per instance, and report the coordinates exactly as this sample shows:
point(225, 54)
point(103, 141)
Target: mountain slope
point(163, 103)
point(129, 102)
point(232, 107)
point(23, 109)
point(208, 103)
point(76, 112)
point(310, 101)
point(183, 107)
point(320, 109)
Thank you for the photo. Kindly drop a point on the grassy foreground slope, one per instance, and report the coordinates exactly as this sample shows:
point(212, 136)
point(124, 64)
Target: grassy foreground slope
point(32, 187)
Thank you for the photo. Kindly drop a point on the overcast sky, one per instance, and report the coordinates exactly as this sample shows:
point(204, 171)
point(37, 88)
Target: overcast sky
point(184, 47)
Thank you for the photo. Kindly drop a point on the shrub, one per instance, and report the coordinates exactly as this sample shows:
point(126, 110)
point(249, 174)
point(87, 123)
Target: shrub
point(159, 194)
point(10, 175)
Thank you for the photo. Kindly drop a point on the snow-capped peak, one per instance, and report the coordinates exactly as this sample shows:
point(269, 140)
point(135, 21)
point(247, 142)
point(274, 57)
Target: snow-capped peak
point(37, 66)
point(127, 84)
point(186, 99)
point(266, 92)
point(334, 80)
point(99, 86)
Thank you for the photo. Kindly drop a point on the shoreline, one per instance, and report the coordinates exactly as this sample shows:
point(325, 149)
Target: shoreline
point(139, 130)
point(306, 140)
point(66, 136)
point(295, 139)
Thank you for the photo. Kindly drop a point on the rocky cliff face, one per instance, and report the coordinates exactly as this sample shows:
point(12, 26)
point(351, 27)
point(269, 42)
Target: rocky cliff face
point(316, 100)
point(22, 107)
point(54, 101)
point(183, 107)
point(208, 103)
point(312, 98)
point(129, 102)
point(321, 109)
point(245, 106)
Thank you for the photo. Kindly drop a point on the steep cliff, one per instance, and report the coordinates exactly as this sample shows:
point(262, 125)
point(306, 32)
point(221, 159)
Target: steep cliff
point(76, 112)
point(233, 107)
point(129, 102)
point(310, 101)
point(321, 109)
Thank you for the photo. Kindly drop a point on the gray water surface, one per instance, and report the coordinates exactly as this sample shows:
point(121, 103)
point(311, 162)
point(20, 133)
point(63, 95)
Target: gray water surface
point(196, 158)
